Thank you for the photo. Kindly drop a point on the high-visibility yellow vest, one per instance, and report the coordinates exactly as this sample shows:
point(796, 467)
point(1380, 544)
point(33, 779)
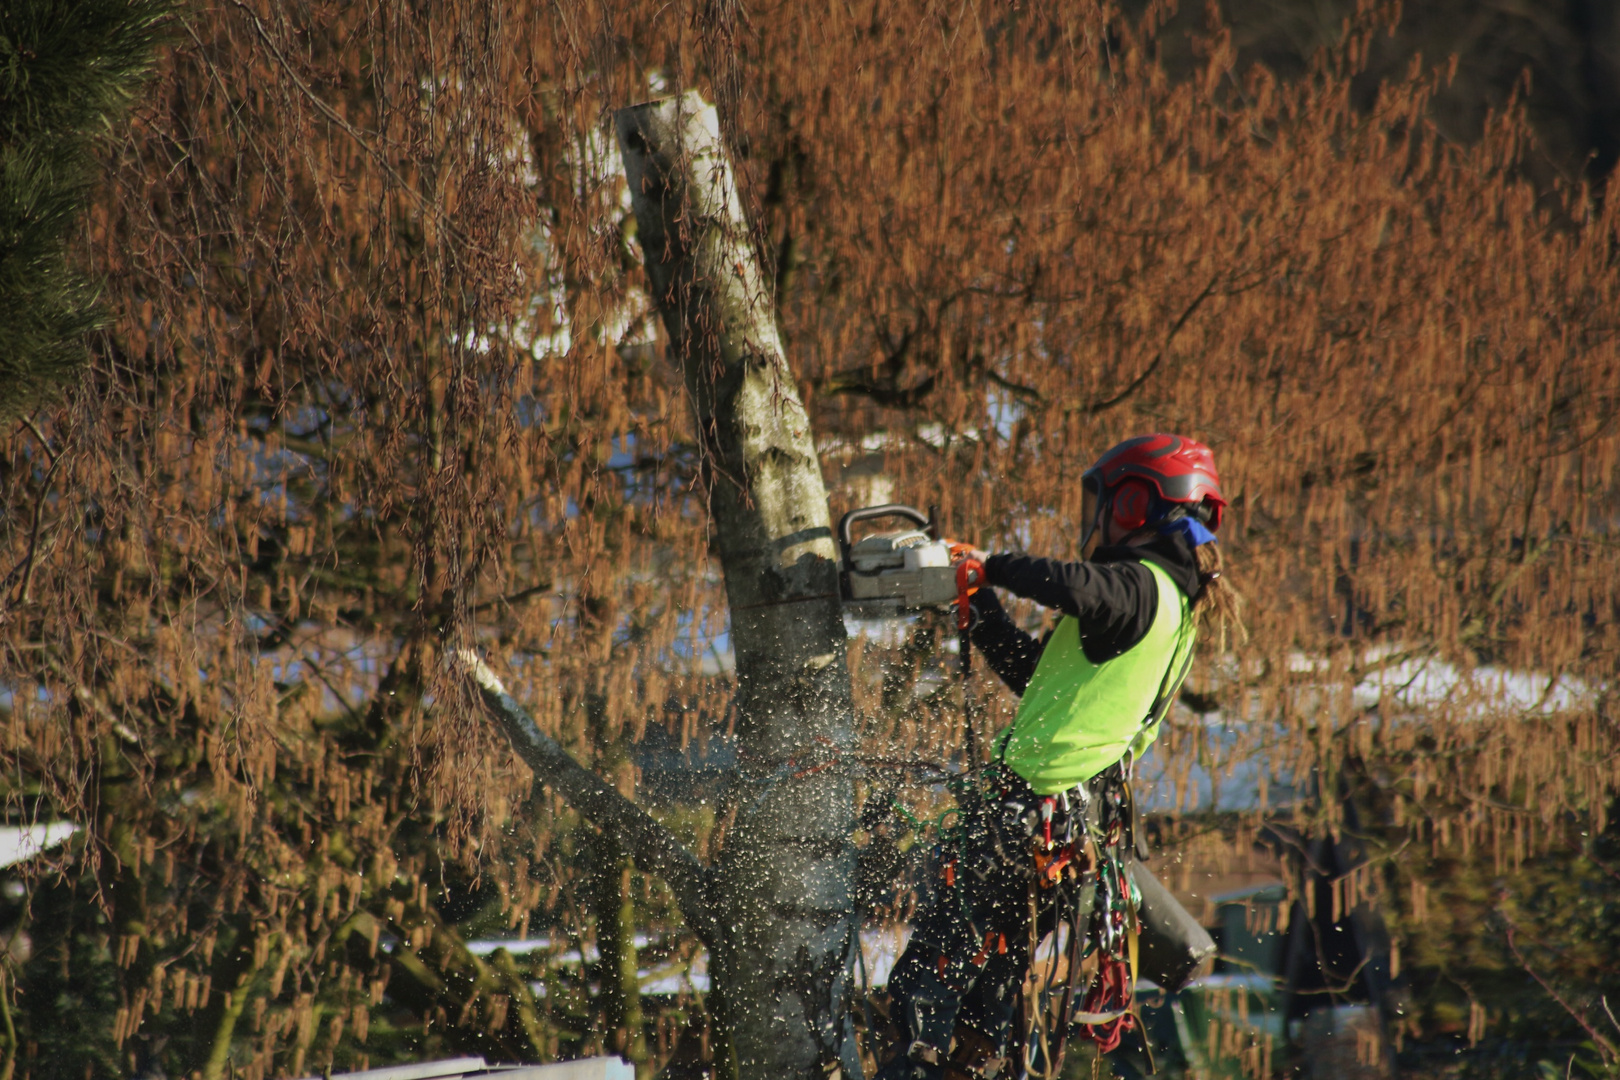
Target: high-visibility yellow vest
point(1078, 718)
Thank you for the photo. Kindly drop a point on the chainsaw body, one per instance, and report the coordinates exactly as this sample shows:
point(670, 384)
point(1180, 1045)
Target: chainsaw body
point(893, 573)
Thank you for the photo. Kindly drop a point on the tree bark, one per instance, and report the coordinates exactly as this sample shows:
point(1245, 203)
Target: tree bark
point(784, 886)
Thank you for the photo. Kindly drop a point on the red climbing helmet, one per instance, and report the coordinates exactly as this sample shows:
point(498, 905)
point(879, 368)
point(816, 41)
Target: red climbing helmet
point(1180, 470)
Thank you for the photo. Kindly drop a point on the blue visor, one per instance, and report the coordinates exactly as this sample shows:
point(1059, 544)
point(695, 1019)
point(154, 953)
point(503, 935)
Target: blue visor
point(1191, 527)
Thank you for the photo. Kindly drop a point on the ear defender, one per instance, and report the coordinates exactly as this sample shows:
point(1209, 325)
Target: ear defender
point(1132, 501)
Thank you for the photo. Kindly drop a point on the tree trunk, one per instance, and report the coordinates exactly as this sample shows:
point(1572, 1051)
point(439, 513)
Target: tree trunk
point(617, 970)
point(611, 897)
point(785, 883)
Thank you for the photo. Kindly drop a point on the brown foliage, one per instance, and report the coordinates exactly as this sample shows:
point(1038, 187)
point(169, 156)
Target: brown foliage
point(384, 379)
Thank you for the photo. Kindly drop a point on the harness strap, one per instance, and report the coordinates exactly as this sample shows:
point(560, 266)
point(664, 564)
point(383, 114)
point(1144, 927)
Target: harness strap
point(1169, 687)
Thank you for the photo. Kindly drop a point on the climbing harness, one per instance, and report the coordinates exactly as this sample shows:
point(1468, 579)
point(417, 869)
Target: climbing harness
point(1097, 921)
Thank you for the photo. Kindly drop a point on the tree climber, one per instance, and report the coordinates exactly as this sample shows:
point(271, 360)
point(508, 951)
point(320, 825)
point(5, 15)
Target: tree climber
point(1053, 809)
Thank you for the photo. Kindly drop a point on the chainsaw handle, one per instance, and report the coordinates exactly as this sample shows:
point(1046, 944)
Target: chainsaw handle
point(867, 513)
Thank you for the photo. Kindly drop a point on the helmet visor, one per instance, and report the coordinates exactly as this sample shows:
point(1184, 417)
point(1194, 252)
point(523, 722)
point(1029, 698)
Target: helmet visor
point(1089, 503)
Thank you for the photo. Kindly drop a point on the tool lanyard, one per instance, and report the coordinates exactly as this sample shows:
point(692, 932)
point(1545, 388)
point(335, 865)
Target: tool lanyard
point(969, 579)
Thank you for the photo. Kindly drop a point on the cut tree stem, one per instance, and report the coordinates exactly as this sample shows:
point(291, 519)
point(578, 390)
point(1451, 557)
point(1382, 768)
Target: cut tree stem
point(784, 885)
point(778, 910)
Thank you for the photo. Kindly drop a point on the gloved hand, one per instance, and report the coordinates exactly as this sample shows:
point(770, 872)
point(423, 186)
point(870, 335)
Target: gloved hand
point(961, 550)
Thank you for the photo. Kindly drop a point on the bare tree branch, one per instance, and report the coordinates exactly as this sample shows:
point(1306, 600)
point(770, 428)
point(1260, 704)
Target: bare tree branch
point(1609, 1049)
point(1153, 365)
point(654, 848)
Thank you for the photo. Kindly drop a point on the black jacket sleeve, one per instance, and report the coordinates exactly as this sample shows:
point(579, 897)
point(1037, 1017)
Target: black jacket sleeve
point(1114, 602)
point(1010, 652)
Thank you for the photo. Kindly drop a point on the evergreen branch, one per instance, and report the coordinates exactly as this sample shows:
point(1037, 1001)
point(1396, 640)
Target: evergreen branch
point(68, 72)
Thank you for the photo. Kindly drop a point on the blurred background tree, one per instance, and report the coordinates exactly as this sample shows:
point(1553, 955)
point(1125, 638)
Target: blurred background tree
point(1561, 62)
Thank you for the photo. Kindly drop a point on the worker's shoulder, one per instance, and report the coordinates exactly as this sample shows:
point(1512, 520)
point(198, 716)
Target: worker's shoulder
point(1122, 563)
point(1172, 554)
